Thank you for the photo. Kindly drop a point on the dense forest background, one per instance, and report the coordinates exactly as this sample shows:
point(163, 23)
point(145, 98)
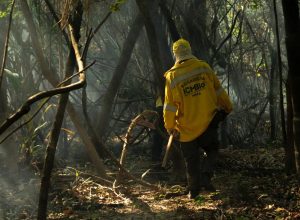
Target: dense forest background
point(75, 73)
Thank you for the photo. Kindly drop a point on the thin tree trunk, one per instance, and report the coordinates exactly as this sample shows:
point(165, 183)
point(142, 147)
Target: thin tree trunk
point(52, 78)
point(55, 132)
point(144, 7)
point(162, 34)
point(6, 43)
point(197, 28)
point(287, 134)
point(272, 96)
point(280, 75)
point(10, 149)
point(3, 101)
point(50, 155)
point(171, 24)
point(290, 163)
point(292, 30)
point(118, 74)
point(3, 88)
point(3, 57)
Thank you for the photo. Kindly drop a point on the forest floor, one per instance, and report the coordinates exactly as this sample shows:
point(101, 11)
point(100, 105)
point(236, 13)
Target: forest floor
point(251, 184)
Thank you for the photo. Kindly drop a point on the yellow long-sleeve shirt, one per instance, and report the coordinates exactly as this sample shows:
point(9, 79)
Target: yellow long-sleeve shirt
point(193, 94)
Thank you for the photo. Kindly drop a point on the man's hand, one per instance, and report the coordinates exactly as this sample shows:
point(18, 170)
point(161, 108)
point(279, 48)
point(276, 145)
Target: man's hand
point(175, 133)
point(222, 114)
point(219, 117)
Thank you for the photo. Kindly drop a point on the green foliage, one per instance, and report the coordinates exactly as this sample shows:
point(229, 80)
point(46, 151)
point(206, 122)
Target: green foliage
point(5, 8)
point(116, 6)
point(5, 12)
point(29, 141)
point(199, 200)
point(255, 4)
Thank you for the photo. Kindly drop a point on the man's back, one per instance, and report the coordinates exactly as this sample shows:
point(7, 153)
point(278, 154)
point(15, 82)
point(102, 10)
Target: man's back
point(193, 91)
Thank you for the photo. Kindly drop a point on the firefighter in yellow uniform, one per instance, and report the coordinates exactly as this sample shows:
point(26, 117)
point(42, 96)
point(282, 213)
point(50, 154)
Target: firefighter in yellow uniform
point(194, 104)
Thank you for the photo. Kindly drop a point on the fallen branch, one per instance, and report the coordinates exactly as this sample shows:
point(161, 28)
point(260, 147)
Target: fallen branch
point(134, 122)
point(88, 175)
point(128, 136)
point(99, 143)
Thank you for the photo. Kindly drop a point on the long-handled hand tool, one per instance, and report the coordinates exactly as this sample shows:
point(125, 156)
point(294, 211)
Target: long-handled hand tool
point(164, 163)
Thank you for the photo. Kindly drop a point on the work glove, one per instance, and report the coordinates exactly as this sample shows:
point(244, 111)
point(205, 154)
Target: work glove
point(219, 117)
point(175, 133)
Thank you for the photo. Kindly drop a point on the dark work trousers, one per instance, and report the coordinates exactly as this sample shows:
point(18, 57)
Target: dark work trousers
point(200, 167)
point(157, 139)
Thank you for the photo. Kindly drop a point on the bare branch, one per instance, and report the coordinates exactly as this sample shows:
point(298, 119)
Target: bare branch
point(25, 108)
point(26, 122)
point(92, 34)
point(226, 38)
point(39, 109)
point(56, 18)
point(128, 135)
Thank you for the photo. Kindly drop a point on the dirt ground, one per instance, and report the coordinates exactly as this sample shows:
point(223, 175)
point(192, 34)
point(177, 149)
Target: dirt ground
point(251, 184)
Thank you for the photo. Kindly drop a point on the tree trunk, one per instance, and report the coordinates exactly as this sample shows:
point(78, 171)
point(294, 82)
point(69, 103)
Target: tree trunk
point(279, 61)
point(3, 100)
point(272, 96)
point(3, 90)
point(197, 28)
point(171, 24)
point(4, 56)
point(55, 132)
point(118, 74)
point(3, 87)
point(292, 31)
point(144, 7)
point(163, 45)
point(52, 78)
point(287, 134)
point(290, 163)
point(50, 156)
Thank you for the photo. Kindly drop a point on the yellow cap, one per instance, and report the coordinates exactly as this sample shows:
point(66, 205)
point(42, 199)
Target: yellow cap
point(182, 50)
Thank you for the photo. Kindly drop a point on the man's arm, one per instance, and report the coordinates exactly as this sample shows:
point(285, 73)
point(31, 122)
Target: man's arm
point(170, 109)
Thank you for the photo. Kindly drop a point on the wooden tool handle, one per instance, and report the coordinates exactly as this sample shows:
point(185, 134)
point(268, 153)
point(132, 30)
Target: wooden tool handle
point(164, 163)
